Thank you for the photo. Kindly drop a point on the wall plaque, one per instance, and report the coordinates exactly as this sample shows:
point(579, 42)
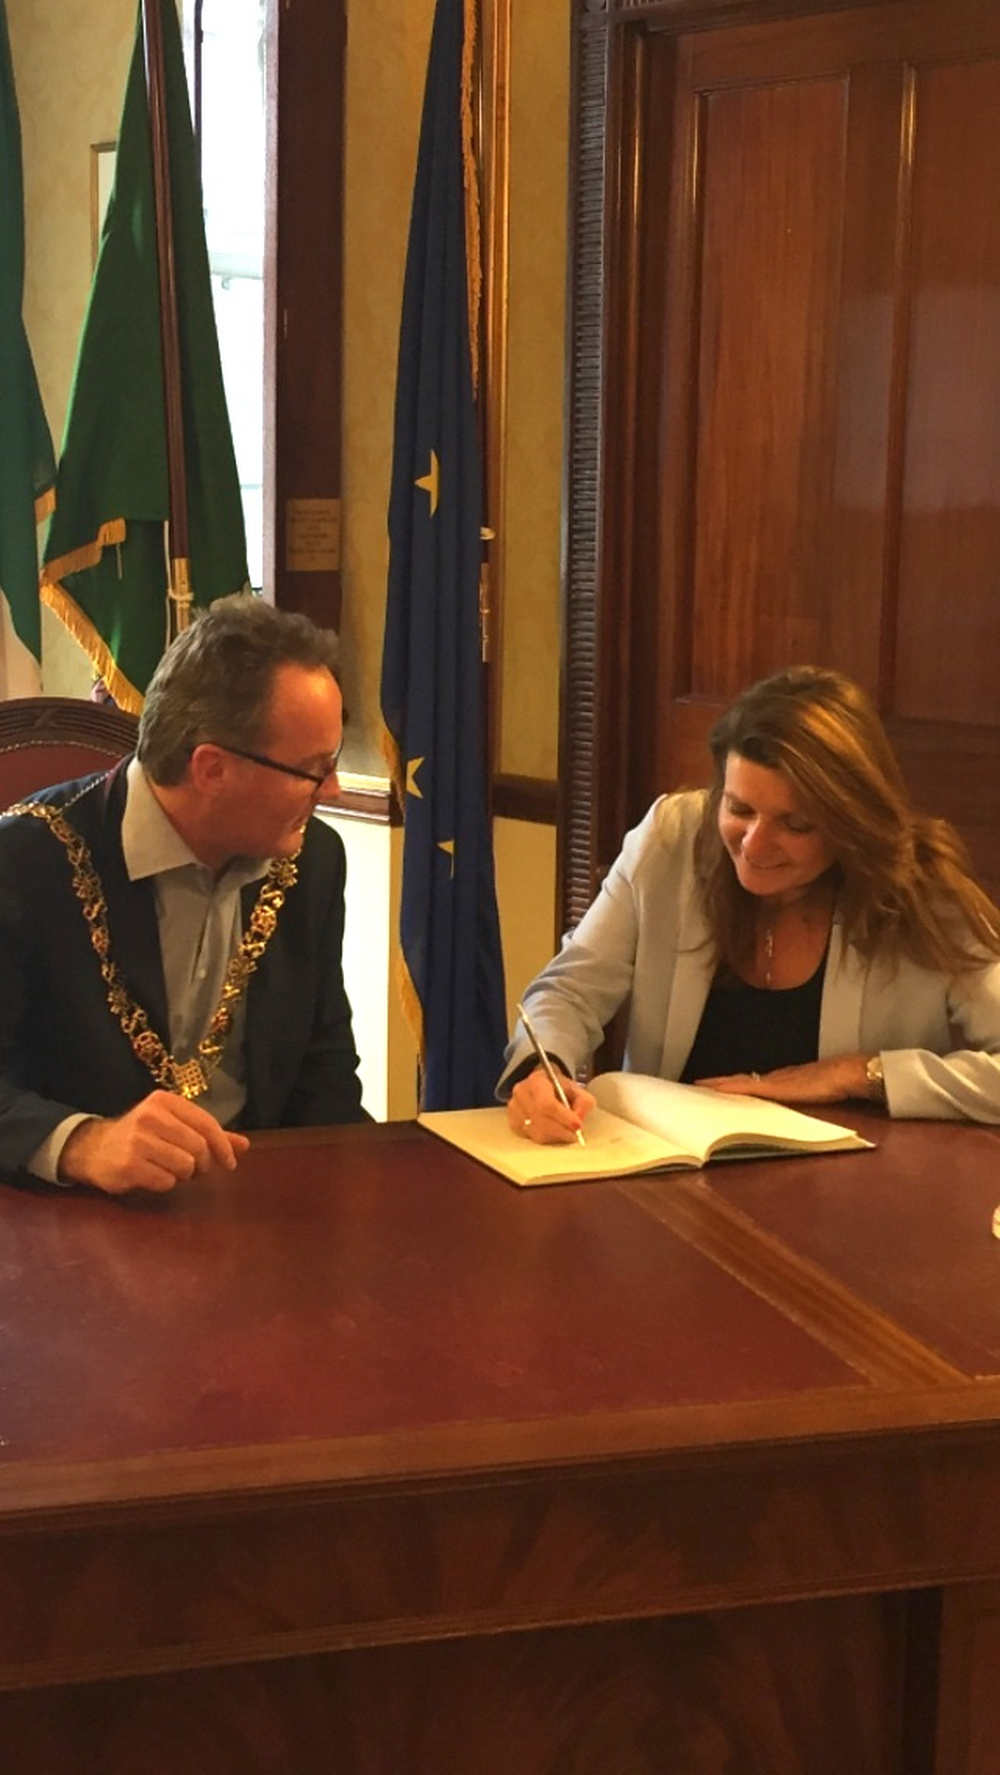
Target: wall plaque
point(312, 535)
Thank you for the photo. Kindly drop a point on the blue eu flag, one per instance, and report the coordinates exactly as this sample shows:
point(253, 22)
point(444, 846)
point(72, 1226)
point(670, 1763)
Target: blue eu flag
point(432, 673)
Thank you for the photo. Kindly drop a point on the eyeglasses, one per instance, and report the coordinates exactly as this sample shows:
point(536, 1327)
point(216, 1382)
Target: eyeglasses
point(288, 770)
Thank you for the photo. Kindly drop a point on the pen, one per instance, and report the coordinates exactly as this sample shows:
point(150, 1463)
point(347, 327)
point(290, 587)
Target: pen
point(550, 1071)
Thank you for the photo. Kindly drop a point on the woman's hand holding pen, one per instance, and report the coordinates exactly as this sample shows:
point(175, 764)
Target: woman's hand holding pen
point(535, 1111)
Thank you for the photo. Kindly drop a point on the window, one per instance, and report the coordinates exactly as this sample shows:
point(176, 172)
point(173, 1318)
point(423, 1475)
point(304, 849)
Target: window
point(225, 48)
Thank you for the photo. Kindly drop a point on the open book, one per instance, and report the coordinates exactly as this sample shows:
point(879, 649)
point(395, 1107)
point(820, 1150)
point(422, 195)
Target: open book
point(643, 1124)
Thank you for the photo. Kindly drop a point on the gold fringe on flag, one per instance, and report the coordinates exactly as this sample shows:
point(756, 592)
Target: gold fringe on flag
point(87, 555)
point(473, 248)
point(94, 646)
point(393, 759)
point(413, 1010)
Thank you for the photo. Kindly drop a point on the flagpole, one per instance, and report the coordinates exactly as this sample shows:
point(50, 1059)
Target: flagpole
point(179, 586)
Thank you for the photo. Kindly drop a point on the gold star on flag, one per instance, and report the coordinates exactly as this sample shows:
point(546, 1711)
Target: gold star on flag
point(448, 846)
point(430, 482)
point(411, 778)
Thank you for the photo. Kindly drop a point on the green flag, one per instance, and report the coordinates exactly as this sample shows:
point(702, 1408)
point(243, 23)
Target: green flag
point(27, 469)
point(104, 571)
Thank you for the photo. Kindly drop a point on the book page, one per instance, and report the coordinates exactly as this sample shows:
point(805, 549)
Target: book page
point(613, 1147)
point(704, 1120)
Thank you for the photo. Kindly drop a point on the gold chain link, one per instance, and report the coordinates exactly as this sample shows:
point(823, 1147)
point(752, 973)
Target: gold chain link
point(188, 1078)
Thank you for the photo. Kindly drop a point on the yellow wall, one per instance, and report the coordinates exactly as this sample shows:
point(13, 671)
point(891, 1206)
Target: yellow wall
point(526, 873)
point(70, 61)
point(386, 63)
point(387, 47)
point(539, 83)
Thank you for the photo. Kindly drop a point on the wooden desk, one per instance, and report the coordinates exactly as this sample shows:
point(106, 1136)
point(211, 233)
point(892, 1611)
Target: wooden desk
point(363, 1460)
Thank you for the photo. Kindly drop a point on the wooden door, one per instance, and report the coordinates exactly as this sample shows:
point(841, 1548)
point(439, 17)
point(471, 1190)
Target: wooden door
point(801, 382)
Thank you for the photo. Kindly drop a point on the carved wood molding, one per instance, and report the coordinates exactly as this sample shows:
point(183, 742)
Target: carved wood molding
point(372, 804)
point(514, 798)
point(678, 15)
point(584, 467)
point(525, 798)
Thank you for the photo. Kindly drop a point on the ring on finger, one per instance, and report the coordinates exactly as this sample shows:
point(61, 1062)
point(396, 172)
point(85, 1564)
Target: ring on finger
point(526, 1123)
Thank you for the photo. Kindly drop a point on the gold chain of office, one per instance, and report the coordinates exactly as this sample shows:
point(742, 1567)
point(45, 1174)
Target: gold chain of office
point(188, 1078)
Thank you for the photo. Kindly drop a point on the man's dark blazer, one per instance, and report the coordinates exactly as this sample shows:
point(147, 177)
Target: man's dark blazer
point(62, 1050)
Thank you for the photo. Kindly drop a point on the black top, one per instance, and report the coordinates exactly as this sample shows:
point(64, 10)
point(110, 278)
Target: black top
point(755, 1028)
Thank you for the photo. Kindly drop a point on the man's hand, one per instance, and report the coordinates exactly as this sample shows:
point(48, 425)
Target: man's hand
point(819, 1081)
point(163, 1140)
point(535, 1111)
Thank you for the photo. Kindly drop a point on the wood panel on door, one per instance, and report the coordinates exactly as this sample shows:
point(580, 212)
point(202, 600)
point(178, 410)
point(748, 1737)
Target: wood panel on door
point(814, 246)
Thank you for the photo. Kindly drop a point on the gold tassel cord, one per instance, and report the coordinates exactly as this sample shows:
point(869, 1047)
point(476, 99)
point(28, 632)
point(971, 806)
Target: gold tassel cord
point(179, 595)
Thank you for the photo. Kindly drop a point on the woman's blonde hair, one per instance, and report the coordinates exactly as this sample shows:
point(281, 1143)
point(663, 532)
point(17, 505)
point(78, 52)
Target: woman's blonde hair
point(906, 883)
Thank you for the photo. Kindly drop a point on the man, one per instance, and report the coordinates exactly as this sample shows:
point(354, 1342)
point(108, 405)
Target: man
point(170, 933)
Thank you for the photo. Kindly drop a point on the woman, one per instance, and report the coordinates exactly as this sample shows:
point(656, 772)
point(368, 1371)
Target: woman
point(796, 932)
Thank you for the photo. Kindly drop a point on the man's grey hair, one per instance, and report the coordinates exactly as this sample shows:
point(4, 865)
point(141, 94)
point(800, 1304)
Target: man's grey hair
point(214, 681)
